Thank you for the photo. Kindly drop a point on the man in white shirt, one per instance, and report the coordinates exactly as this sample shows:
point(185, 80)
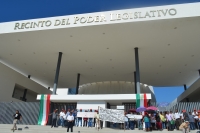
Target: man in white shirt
point(195, 114)
point(177, 119)
point(62, 114)
point(173, 120)
point(70, 120)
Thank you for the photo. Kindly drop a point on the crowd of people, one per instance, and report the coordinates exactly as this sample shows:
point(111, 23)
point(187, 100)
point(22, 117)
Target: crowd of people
point(69, 119)
point(168, 120)
point(150, 121)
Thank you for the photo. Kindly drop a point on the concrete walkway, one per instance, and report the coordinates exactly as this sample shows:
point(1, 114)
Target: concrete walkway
point(6, 128)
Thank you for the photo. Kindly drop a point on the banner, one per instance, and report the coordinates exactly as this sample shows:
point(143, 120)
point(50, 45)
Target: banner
point(44, 109)
point(137, 117)
point(111, 115)
point(86, 114)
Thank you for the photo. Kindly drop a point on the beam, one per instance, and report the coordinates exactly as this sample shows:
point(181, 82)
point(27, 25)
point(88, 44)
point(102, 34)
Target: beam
point(57, 73)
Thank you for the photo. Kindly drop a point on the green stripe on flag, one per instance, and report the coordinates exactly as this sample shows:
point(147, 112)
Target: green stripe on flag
point(41, 110)
point(137, 100)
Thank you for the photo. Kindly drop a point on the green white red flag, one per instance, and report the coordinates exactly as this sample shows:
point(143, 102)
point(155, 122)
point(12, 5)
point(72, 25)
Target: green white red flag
point(141, 100)
point(44, 109)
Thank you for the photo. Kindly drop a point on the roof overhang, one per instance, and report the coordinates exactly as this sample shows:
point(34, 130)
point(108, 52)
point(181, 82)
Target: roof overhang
point(100, 46)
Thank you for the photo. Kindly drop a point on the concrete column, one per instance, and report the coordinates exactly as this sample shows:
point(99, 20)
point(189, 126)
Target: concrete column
point(77, 83)
point(137, 70)
point(185, 87)
point(135, 82)
point(57, 73)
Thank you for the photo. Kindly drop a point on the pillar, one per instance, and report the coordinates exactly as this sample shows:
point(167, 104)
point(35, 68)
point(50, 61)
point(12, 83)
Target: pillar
point(135, 82)
point(77, 83)
point(185, 87)
point(137, 70)
point(57, 73)
point(24, 95)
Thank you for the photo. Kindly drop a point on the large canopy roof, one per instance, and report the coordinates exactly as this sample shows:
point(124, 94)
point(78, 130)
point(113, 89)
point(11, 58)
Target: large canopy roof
point(168, 51)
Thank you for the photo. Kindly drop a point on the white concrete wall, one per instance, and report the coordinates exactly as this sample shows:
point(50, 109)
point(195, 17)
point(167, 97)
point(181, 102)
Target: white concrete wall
point(91, 105)
point(8, 79)
point(61, 91)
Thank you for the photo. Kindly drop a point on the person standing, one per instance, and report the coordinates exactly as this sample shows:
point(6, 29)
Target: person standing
point(54, 118)
point(185, 115)
point(173, 120)
point(195, 115)
point(168, 117)
point(90, 120)
point(17, 116)
point(75, 117)
point(158, 122)
point(85, 121)
point(199, 119)
point(70, 120)
point(62, 114)
point(80, 120)
point(65, 118)
point(147, 122)
point(177, 116)
point(163, 120)
point(131, 122)
point(97, 120)
point(191, 121)
point(125, 121)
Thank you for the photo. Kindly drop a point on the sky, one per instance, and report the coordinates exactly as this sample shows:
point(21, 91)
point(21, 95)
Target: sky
point(13, 10)
point(167, 94)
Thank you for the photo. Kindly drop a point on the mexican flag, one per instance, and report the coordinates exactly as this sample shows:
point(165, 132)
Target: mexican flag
point(44, 109)
point(141, 100)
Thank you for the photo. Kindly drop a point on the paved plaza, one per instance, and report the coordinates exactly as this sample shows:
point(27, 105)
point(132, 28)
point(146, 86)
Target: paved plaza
point(5, 128)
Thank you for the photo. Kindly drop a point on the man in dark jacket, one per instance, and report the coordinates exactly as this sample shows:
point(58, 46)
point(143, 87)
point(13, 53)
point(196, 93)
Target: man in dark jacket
point(17, 116)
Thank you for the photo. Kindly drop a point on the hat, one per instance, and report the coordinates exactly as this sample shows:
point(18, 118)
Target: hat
point(90, 109)
point(187, 121)
point(183, 110)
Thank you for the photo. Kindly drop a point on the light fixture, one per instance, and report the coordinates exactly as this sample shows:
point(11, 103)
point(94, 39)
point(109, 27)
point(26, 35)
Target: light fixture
point(79, 50)
point(104, 33)
point(107, 48)
point(168, 44)
point(192, 55)
point(71, 36)
point(175, 27)
point(10, 54)
point(18, 39)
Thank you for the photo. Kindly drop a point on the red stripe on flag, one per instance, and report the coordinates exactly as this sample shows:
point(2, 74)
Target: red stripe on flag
point(47, 109)
point(145, 100)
